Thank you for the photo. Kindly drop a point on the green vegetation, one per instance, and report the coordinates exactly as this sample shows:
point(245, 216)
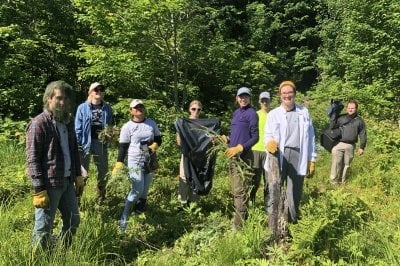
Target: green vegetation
point(170, 52)
point(353, 224)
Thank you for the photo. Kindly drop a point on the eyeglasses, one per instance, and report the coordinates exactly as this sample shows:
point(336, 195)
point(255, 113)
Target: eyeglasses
point(195, 109)
point(287, 93)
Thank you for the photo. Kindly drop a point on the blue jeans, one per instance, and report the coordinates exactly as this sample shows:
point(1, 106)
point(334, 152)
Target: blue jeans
point(63, 199)
point(140, 180)
point(100, 156)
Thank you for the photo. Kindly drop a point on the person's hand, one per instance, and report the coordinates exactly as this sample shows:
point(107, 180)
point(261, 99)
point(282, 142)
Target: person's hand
point(272, 146)
point(230, 152)
point(79, 185)
point(311, 169)
point(117, 167)
point(153, 147)
point(224, 139)
point(41, 199)
point(219, 139)
point(360, 151)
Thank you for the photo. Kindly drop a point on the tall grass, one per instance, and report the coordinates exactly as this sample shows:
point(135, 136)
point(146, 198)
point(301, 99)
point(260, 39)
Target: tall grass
point(352, 224)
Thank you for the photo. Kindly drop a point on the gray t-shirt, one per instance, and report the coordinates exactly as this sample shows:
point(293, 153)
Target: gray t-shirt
point(293, 132)
point(62, 130)
point(138, 135)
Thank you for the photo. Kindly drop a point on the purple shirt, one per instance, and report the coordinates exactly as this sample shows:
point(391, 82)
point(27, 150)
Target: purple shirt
point(244, 127)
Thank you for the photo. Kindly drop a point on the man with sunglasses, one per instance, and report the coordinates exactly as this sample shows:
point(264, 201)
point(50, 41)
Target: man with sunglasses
point(91, 118)
point(259, 149)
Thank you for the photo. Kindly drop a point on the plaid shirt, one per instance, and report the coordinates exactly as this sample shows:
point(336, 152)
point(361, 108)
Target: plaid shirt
point(45, 159)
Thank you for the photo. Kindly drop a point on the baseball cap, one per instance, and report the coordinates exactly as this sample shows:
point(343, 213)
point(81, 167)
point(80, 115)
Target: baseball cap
point(95, 85)
point(243, 90)
point(135, 102)
point(265, 94)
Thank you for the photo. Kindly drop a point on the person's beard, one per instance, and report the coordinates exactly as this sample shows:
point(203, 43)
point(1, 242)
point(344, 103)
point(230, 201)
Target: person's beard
point(62, 115)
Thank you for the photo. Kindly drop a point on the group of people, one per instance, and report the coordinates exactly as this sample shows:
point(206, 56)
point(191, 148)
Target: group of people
point(59, 149)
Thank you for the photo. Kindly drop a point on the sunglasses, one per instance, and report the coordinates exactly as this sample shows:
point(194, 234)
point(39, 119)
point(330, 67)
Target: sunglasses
point(264, 100)
point(195, 109)
point(99, 89)
point(139, 106)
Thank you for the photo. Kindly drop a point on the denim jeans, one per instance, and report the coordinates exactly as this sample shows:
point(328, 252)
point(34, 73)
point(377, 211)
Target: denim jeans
point(63, 199)
point(140, 180)
point(100, 157)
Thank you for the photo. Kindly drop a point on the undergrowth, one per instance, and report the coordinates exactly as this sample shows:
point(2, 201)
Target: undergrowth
point(352, 224)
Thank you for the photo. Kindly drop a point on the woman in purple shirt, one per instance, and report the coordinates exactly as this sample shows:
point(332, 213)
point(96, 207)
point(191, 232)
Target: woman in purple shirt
point(243, 135)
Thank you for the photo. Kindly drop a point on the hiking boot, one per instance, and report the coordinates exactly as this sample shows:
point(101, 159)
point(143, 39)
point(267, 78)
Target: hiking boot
point(140, 205)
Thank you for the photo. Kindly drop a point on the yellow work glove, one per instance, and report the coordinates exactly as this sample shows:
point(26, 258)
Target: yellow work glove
point(272, 146)
point(230, 152)
point(311, 168)
point(79, 185)
point(153, 147)
point(117, 167)
point(41, 199)
point(224, 139)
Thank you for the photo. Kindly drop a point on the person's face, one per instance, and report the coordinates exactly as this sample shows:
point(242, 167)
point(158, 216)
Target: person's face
point(138, 111)
point(243, 100)
point(264, 103)
point(194, 111)
point(57, 104)
point(351, 108)
point(97, 93)
point(287, 96)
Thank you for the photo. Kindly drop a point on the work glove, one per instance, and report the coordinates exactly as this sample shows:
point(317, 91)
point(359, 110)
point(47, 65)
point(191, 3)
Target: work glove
point(118, 166)
point(272, 146)
point(41, 199)
point(153, 147)
point(224, 139)
point(79, 185)
point(311, 169)
point(219, 139)
point(230, 152)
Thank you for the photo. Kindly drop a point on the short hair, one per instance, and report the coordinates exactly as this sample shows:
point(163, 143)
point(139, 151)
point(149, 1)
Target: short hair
point(195, 102)
point(353, 101)
point(287, 83)
point(56, 85)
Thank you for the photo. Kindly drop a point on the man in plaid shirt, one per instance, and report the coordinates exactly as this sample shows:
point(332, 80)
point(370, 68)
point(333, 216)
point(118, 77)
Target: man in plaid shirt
point(54, 166)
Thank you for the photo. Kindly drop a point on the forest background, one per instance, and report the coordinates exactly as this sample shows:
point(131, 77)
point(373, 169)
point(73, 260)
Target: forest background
point(170, 52)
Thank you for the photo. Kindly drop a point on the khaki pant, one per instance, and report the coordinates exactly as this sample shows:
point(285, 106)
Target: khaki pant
point(342, 155)
point(185, 193)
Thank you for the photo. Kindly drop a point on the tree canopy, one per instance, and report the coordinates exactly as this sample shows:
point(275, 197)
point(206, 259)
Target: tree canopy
point(177, 50)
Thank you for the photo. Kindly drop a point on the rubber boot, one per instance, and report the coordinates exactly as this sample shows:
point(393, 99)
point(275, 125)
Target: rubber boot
point(140, 205)
point(125, 215)
point(101, 194)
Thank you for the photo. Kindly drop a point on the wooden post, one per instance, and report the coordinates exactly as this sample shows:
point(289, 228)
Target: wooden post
point(277, 214)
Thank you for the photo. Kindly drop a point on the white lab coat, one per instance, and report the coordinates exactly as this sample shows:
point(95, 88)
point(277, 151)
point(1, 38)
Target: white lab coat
point(276, 129)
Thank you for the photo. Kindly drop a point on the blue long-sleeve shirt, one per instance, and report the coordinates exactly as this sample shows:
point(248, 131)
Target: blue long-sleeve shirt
point(244, 128)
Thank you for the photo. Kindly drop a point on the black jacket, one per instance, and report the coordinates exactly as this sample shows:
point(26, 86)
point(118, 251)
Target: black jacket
point(352, 127)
